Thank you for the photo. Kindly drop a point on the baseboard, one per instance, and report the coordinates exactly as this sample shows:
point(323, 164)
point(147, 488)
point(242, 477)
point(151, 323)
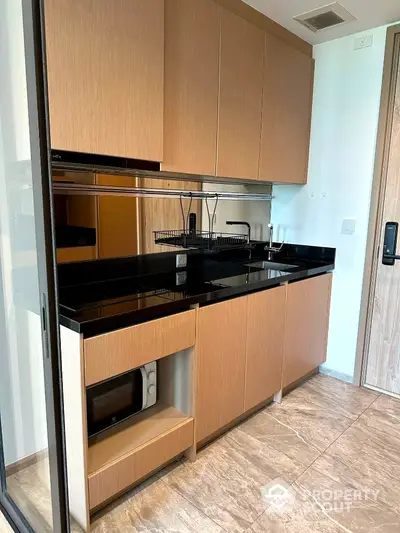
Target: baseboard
point(27, 461)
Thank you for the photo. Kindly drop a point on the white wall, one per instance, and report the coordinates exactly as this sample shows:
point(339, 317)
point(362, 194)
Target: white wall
point(343, 137)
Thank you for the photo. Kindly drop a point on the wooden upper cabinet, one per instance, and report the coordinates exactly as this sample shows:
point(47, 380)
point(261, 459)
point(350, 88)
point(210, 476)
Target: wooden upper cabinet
point(287, 101)
point(106, 76)
point(191, 86)
point(264, 350)
point(307, 321)
point(240, 97)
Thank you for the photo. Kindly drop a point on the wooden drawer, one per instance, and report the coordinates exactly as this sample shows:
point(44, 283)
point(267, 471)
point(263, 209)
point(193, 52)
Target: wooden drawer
point(120, 351)
point(124, 472)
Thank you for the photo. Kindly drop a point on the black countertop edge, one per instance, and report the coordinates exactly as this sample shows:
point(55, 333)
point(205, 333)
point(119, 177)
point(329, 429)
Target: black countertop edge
point(101, 325)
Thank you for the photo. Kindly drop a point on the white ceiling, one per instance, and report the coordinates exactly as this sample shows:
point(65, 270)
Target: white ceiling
point(369, 14)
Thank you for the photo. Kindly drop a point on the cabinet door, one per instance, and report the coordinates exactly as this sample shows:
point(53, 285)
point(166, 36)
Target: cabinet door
point(191, 86)
point(221, 363)
point(240, 97)
point(106, 76)
point(306, 332)
point(264, 354)
point(287, 101)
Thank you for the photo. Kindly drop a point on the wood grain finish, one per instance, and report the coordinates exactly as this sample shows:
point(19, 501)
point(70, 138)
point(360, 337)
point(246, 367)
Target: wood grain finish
point(382, 369)
point(191, 86)
point(286, 122)
point(163, 214)
point(306, 330)
point(221, 364)
point(117, 216)
point(106, 76)
point(76, 436)
point(264, 349)
point(134, 433)
point(240, 97)
point(80, 253)
point(266, 24)
point(123, 472)
point(120, 351)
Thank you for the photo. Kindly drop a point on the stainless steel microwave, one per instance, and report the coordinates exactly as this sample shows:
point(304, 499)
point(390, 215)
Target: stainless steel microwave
point(113, 401)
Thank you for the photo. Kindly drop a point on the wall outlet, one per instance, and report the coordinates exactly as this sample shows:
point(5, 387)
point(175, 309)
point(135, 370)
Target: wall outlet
point(363, 42)
point(181, 260)
point(181, 278)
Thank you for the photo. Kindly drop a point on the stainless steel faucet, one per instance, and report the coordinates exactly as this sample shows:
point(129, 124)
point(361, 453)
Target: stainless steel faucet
point(271, 249)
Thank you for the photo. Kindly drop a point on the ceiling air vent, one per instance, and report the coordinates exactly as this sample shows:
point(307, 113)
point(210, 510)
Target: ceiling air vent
point(325, 17)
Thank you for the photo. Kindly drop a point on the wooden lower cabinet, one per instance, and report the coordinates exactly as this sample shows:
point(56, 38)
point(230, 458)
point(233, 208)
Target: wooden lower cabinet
point(306, 330)
point(264, 349)
point(221, 364)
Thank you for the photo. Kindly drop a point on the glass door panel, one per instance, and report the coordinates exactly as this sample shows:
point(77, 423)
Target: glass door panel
point(32, 466)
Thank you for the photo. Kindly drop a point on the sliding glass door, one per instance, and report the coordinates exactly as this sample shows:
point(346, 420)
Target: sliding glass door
point(32, 468)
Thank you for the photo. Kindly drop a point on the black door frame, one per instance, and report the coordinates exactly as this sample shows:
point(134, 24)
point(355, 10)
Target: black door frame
point(35, 57)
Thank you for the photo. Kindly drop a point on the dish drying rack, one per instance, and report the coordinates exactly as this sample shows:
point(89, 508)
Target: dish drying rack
point(199, 239)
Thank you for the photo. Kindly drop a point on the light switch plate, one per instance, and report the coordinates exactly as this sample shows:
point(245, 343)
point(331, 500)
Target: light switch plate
point(348, 226)
point(181, 261)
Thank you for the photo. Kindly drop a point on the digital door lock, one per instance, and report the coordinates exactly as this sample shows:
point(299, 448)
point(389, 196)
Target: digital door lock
point(390, 243)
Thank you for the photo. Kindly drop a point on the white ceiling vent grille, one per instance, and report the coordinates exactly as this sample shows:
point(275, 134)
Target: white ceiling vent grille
point(325, 17)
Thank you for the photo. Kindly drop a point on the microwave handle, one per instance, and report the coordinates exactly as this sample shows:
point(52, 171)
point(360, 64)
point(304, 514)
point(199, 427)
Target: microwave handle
point(144, 381)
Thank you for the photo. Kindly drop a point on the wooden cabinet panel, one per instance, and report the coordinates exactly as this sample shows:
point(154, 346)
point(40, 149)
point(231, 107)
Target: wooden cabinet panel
point(287, 101)
point(221, 362)
point(117, 220)
point(240, 97)
point(117, 352)
point(191, 86)
point(306, 332)
point(264, 353)
point(127, 469)
point(106, 76)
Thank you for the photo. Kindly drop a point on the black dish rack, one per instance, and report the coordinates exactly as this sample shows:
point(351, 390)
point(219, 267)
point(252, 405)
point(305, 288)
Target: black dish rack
point(203, 240)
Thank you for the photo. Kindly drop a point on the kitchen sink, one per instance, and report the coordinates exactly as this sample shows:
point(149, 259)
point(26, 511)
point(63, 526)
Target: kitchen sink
point(270, 265)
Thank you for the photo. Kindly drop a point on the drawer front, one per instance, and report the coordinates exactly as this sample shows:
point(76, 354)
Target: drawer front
point(120, 351)
point(111, 480)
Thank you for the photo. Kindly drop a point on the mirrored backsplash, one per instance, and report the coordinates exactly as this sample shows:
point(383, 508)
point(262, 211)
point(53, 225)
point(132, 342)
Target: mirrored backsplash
point(99, 226)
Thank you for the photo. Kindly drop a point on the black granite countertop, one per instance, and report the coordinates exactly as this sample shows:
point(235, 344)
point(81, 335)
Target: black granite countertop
point(100, 296)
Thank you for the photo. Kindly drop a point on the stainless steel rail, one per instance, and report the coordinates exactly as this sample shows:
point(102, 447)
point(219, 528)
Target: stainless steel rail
point(60, 187)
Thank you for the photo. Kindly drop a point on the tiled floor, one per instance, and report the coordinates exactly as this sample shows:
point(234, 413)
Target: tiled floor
point(326, 460)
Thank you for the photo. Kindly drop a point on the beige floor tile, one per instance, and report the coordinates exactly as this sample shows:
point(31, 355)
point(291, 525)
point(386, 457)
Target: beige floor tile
point(278, 435)
point(383, 415)
point(332, 394)
point(154, 508)
point(228, 477)
point(367, 460)
point(295, 513)
point(355, 510)
point(317, 426)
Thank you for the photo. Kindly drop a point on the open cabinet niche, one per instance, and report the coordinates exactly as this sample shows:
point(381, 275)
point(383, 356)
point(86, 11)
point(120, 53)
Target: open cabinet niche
point(102, 468)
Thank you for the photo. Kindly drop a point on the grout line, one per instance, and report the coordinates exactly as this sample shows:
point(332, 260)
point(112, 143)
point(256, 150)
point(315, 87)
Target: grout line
point(193, 505)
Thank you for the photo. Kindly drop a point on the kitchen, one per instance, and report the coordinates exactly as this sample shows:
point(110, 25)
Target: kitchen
point(184, 316)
